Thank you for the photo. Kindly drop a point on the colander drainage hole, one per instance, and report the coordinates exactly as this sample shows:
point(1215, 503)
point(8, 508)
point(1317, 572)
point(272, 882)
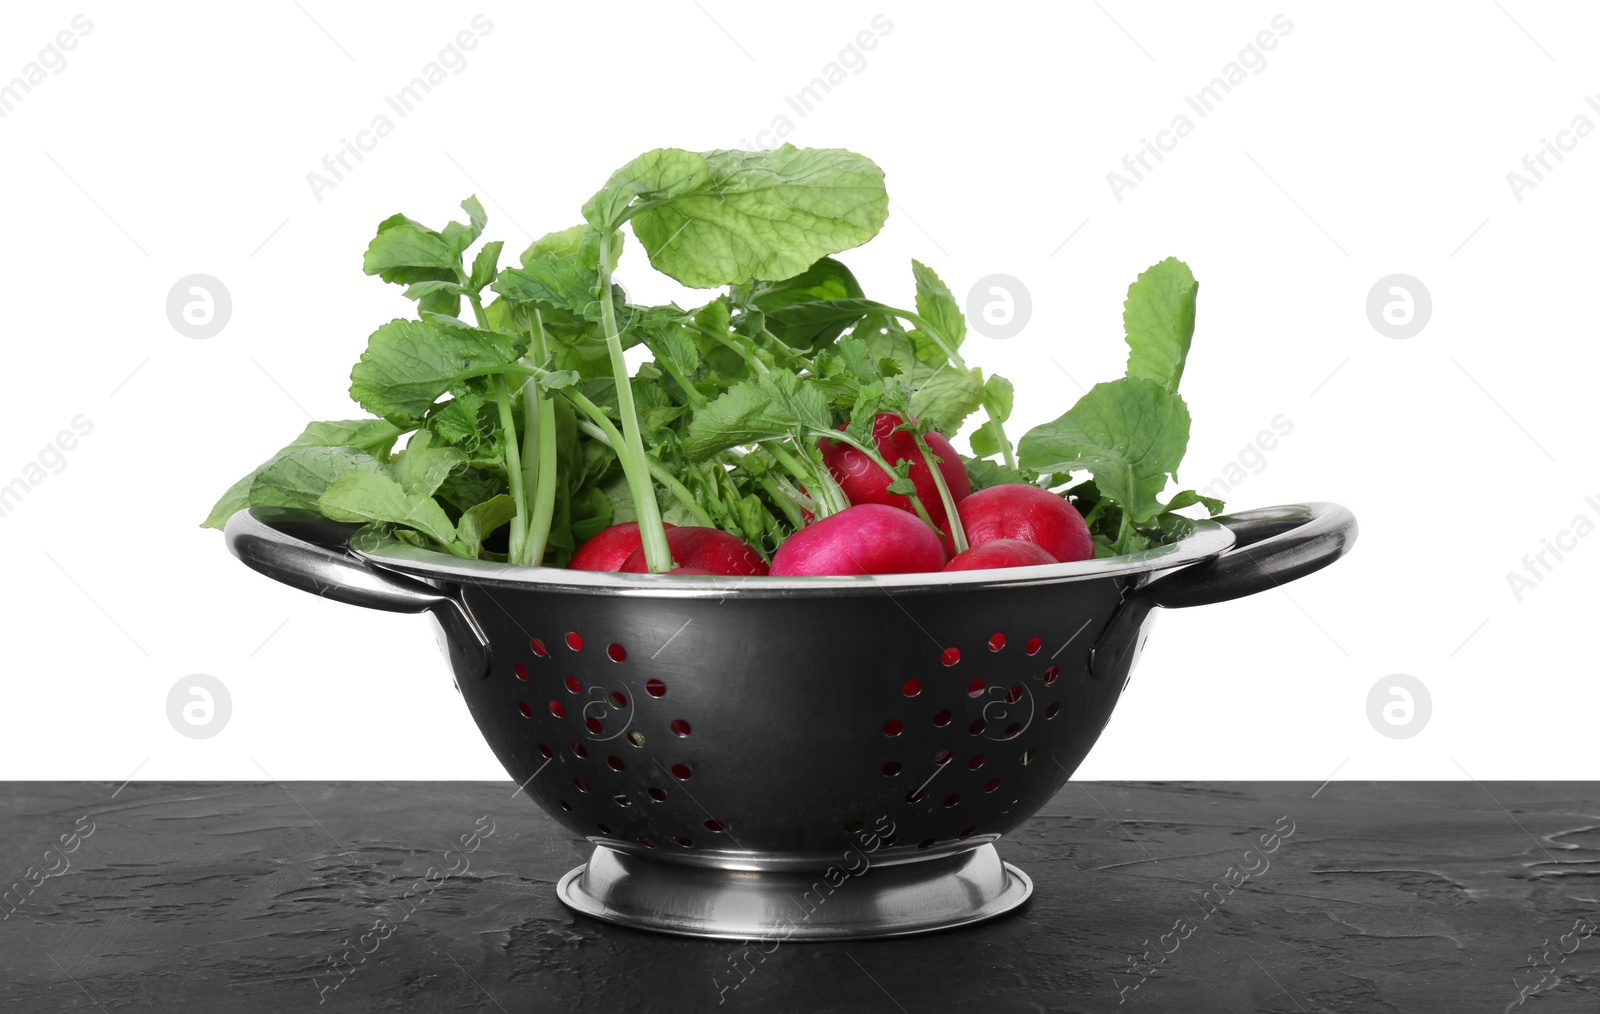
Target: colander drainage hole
point(658, 794)
point(892, 768)
point(943, 757)
point(521, 671)
point(942, 719)
point(1014, 694)
point(994, 783)
point(621, 799)
point(615, 762)
point(527, 712)
point(582, 785)
point(1033, 646)
point(683, 839)
point(617, 653)
point(579, 750)
point(1051, 673)
point(977, 726)
point(680, 727)
point(968, 831)
point(715, 825)
point(911, 688)
point(976, 762)
point(681, 772)
point(603, 829)
point(951, 656)
point(593, 725)
point(545, 751)
point(1008, 807)
point(647, 843)
point(926, 843)
point(952, 799)
point(1013, 731)
point(1052, 711)
point(556, 708)
point(997, 642)
point(636, 738)
point(574, 685)
point(893, 727)
point(564, 805)
point(852, 826)
point(616, 700)
point(1027, 757)
point(976, 688)
point(575, 642)
point(914, 796)
point(655, 688)
point(539, 648)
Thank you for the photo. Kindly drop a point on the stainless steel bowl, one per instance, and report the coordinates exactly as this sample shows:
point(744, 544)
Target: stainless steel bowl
point(801, 758)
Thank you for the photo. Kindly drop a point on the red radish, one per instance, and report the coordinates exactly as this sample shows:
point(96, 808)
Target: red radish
point(866, 539)
point(1019, 511)
point(609, 549)
point(864, 482)
point(1001, 553)
point(705, 550)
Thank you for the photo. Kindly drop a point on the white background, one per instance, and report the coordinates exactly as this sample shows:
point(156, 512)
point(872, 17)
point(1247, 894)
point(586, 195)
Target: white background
point(1376, 140)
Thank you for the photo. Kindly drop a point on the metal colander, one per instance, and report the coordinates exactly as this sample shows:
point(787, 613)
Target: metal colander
point(740, 750)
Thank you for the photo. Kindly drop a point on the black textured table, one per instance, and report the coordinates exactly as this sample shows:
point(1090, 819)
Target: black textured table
point(1359, 897)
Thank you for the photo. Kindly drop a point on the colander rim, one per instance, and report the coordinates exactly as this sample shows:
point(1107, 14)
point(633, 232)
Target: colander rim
point(375, 545)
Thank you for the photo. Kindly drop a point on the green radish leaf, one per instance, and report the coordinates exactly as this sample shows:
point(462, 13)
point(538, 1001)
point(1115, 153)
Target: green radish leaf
point(1188, 498)
point(409, 363)
point(418, 290)
point(722, 217)
point(457, 236)
point(775, 405)
point(1158, 317)
point(486, 266)
point(565, 289)
point(937, 306)
point(480, 521)
point(403, 243)
point(298, 476)
point(945, 399)
point(984, 443)
point(998, 395)
point(984, 474)
point(1131, 433)
point(370, 497)
point(422, 468)
point(805, 312)
point(374, 437)
point(569, 243)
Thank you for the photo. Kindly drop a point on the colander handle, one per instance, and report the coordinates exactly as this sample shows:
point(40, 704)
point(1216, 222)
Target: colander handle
point(1273, 546)
point(305, 550)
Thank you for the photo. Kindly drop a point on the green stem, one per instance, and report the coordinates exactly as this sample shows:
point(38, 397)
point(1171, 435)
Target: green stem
point(657, 470)
point(878, 459)
point(958, 534)
point(794, 356)
point(544, 498)
point(824, 491)
point(999, 433)
point(508, 423)
point(783, 499)
point(657, 554)
point(694, 397)
point(750, 359)
point(1094, 512)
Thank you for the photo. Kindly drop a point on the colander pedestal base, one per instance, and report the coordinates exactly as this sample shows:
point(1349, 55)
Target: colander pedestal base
point(882, 900)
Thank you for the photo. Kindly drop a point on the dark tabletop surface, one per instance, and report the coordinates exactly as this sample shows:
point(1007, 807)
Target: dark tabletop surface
point(234, 896)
